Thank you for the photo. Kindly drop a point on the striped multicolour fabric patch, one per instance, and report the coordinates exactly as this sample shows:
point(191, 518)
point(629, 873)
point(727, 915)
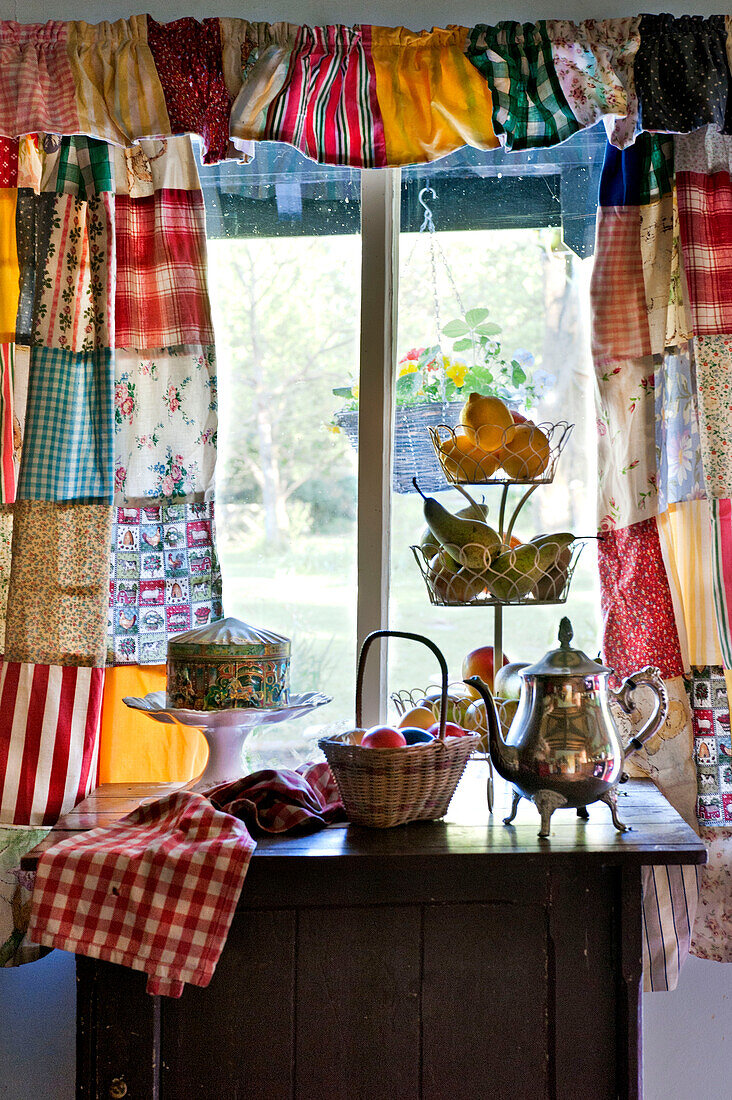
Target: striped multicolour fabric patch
point(328, 107)
point(49, 744)
point(670, 897)
point(722, 573)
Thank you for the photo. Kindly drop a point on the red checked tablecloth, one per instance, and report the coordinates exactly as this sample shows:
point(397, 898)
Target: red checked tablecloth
point(157, 890)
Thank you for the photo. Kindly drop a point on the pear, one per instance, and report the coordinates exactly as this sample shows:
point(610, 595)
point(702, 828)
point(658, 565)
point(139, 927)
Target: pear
point(551, 585)
point(515, 573)
point(476, 541)
point(428, 544)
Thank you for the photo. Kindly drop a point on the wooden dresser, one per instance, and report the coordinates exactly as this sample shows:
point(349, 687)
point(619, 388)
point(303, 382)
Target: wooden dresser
point(441, 961)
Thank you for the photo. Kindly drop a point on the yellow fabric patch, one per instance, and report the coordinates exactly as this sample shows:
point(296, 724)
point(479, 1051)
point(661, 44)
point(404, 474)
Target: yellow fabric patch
point(9, 271)
point(432, 99)
point(136, 749)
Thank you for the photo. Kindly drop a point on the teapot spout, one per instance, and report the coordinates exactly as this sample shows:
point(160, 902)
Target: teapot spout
point(503, 756)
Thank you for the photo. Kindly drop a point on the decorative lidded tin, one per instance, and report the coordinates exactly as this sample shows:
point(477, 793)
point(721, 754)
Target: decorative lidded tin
point(228, 664)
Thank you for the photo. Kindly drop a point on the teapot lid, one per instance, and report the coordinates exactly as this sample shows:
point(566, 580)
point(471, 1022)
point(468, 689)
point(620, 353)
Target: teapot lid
point(565, 661)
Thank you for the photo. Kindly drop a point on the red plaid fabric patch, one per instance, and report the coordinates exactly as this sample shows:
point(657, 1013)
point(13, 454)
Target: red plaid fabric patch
point(705, 217)
point(617, 291)
point(284, 801)
point(162, 296)
point(639, 626)
point(156, 891)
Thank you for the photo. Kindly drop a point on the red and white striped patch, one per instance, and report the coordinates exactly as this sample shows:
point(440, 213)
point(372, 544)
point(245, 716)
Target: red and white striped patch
point(49, 740)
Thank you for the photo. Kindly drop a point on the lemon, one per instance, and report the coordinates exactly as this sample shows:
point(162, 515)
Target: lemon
point(489, 418)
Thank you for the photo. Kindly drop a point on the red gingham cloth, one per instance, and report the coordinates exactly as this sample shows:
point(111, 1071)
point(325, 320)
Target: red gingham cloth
point(268, 801)
point(157, 890)
point(162, 295)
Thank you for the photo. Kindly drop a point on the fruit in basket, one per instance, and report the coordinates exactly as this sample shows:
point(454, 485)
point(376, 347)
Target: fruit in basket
point(551, 583)
point(514, 573)
point(417, 718)
point(525, 452)
point(476, 719)
point(451, 730)
point(465, 461)
point(508, 682)
point(479, 662)
point(489, 418)
point(428, 544)
point(383, 737)
point(476, 541)
point(415, 736)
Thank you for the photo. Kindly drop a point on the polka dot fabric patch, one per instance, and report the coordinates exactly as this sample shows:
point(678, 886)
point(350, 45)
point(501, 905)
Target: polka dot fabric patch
point(681, 73)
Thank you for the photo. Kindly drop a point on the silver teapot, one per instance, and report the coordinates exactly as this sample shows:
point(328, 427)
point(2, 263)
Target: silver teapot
point(563, 748)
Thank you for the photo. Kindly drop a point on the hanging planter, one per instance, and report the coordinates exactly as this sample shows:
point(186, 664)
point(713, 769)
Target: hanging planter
point(414, 454)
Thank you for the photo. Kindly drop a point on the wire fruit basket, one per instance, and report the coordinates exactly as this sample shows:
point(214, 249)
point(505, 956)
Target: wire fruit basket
point(522, 454)
point(382, 788)
point(529, 574)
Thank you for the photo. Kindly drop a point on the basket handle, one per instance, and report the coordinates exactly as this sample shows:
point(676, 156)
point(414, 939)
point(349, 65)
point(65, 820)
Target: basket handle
point(415, 638)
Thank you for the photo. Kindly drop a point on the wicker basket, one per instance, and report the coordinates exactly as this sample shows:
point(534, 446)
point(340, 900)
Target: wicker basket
point(386, 787)
point(414, 453)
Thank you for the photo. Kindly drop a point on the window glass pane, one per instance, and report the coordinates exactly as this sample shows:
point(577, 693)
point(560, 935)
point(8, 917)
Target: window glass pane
point(514, 236)
point(284, 260)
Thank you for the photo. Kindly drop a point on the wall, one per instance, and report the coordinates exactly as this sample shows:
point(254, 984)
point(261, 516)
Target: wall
point(688, 1038)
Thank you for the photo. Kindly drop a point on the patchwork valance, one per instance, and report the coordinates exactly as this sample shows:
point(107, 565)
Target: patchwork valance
point(364, 96)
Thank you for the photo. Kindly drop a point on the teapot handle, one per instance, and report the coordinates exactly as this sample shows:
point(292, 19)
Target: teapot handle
point(650, 677)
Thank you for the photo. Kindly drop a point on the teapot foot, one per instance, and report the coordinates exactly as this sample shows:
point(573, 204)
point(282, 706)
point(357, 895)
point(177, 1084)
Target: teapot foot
point(610, 798)
point(583, 813)
point(514, 807)
point(546, 803)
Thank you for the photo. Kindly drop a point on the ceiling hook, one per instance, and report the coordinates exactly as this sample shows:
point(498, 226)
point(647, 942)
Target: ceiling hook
point(428, 222)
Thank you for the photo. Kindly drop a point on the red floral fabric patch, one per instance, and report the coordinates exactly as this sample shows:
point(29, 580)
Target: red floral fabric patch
point(639, 627)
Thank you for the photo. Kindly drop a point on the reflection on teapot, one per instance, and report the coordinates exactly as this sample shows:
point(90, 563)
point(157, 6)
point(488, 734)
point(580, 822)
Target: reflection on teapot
point(563, 748)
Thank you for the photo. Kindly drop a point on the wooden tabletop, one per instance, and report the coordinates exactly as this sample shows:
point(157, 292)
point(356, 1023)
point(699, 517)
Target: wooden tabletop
point(658, 834)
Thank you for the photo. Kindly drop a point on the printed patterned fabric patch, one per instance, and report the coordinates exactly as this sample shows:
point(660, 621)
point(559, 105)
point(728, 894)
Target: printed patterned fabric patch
point(66, 257)
point(712, 744)
point(639, 626)
point(713, 356)
point(165, 424)
point(712, 937)
point(678, 446)
point(57, 600)
point(16, 887)
point(165, 578)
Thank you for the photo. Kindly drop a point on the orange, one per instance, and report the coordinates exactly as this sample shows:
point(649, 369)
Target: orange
point(525, 453)
point(464, 461)
point(489, 417)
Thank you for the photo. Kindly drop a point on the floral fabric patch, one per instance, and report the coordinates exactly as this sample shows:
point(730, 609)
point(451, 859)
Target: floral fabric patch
point(165, 424)
point(638, 613)
point(678, 447)
point(165, 578)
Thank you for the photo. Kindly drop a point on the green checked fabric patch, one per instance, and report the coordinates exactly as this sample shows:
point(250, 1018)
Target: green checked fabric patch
point(69, 427)
point(529, 107)
point(80, 166)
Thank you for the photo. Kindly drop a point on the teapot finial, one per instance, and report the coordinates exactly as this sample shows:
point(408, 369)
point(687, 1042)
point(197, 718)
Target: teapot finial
point(565, 633)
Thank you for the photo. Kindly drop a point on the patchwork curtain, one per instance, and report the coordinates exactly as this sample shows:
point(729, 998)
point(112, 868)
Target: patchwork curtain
point(109, 419)
point(658, 520)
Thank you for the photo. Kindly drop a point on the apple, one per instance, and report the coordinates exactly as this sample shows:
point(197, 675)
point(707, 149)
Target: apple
point(383, 737)
point(451, 730)
point(479, 662)
point(519, 418)
point(508, 681)
point(413, 735)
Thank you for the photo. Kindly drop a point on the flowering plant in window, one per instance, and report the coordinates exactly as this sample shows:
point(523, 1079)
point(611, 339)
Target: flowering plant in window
point(427, 375)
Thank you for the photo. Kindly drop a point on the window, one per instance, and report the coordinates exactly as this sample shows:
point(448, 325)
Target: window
point(295, 320)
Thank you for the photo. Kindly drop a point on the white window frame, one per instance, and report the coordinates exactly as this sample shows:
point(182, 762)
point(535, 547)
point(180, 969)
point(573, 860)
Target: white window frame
point(380, 201)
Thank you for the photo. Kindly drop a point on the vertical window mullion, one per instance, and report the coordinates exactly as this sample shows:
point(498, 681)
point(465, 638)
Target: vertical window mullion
point(380, 190)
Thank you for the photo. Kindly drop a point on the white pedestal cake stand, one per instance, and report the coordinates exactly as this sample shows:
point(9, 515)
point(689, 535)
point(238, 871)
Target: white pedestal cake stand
point(224, 730)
